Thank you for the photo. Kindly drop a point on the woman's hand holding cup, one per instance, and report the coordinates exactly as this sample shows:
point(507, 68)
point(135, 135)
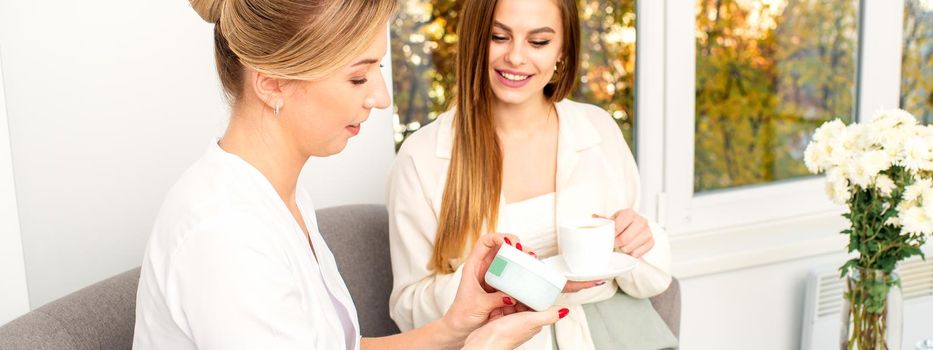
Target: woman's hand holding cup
point(633, 234)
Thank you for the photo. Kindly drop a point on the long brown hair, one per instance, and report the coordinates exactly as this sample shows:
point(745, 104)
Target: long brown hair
point(470, 204)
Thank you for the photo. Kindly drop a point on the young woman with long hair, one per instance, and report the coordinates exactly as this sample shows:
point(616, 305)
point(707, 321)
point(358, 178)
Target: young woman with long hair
point(514, 155)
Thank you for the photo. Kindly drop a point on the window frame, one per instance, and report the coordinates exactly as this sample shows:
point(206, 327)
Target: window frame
point(687, 212)
point(729, 229)
point(649, 104)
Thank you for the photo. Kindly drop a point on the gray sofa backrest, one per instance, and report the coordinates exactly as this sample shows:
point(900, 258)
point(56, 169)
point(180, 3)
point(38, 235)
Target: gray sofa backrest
point(97, 317)
point(102, 316)
point(358, 235)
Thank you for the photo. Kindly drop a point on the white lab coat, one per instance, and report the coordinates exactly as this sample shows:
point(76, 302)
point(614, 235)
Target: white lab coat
point(227, 267)
point(596, 174)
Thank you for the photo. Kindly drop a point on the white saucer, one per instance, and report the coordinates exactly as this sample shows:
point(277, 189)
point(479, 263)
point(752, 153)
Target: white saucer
point(618, 263)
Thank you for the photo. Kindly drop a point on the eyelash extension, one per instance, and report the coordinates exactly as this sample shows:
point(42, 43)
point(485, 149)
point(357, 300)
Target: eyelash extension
point(539, 43)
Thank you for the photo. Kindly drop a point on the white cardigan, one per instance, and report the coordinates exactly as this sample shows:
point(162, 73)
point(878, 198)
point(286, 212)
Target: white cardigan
point(596, 173)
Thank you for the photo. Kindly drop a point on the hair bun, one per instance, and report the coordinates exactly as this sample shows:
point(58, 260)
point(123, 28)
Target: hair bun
point(209, 10)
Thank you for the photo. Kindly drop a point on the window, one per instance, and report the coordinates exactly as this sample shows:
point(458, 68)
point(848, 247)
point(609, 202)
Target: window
point(607, 65)
point(423, 41)
point(917, 60)
point(746, 83)
point(768, 73)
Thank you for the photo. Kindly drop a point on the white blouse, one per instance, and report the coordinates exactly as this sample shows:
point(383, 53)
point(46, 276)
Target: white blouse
point(532, 220)
point(227, 267)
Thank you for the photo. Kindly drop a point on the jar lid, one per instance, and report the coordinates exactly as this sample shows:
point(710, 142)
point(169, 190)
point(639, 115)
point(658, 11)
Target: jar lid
point(534, 265)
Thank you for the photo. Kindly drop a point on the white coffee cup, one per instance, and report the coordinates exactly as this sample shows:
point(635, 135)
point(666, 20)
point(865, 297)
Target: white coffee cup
point(586, 245)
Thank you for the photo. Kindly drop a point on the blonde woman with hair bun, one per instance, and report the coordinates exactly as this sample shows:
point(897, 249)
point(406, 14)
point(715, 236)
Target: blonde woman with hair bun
point(235, 259)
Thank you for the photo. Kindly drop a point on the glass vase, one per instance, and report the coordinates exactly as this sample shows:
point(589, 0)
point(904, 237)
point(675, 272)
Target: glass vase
point(873, 312)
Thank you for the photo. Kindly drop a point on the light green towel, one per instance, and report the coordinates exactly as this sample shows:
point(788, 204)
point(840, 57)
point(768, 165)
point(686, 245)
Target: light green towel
point(626, 323)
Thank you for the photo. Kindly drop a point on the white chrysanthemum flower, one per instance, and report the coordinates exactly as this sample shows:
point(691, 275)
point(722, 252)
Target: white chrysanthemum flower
point(903, 206)
point(862, 138)
point(923, 131)
point(845, 140)
point(872, 134)
point(916, 191)
point(892, 142)
point(926, 196)
point(875, 162)
point(859, 175)
point(918, 154)
point(893, 221)
point(927, 164)
point(841, 156)
point(917, 220)
point(817, 156)
point(885, 185)
point(829, 130)
point(893, 119)
point(903, 117)
point(838, 194)
point(813, 157)
point(837, 187)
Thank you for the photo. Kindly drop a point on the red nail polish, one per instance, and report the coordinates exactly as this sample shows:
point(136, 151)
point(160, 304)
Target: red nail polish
point(562, 313)
point(507, 301)
point(519, 246)
point(507, 241)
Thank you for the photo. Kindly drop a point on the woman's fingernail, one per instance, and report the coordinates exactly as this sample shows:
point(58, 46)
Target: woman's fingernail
point(562, 313)
point(600, 283)
point(507, 301)
point(533, 254)
point(507, 240)
point(519, 246)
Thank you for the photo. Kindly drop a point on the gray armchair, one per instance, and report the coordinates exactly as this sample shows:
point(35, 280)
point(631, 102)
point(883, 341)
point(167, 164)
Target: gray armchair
point(102, 316)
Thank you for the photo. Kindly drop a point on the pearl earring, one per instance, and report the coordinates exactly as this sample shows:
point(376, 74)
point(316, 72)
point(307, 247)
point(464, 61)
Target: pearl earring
point(275, 111)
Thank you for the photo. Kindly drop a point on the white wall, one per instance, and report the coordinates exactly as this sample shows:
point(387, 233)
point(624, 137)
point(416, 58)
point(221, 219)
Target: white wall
point(108, 102)
point(756, 308)
point(13, 296)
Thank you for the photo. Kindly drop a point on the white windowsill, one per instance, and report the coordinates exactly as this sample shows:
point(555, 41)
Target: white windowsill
point(716, 251)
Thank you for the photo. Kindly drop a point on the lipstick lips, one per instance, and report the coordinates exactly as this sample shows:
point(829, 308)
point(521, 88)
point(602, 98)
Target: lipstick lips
point(353, 129)
point(513, 79)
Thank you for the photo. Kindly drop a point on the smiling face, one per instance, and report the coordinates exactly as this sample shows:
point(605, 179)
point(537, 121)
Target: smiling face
point(525, 45)
point(321, 116)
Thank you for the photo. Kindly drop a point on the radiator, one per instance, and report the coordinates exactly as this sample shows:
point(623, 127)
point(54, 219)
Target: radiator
point(823, 306)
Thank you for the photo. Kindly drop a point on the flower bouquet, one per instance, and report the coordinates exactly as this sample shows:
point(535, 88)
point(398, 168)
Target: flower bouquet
point(882, 170)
